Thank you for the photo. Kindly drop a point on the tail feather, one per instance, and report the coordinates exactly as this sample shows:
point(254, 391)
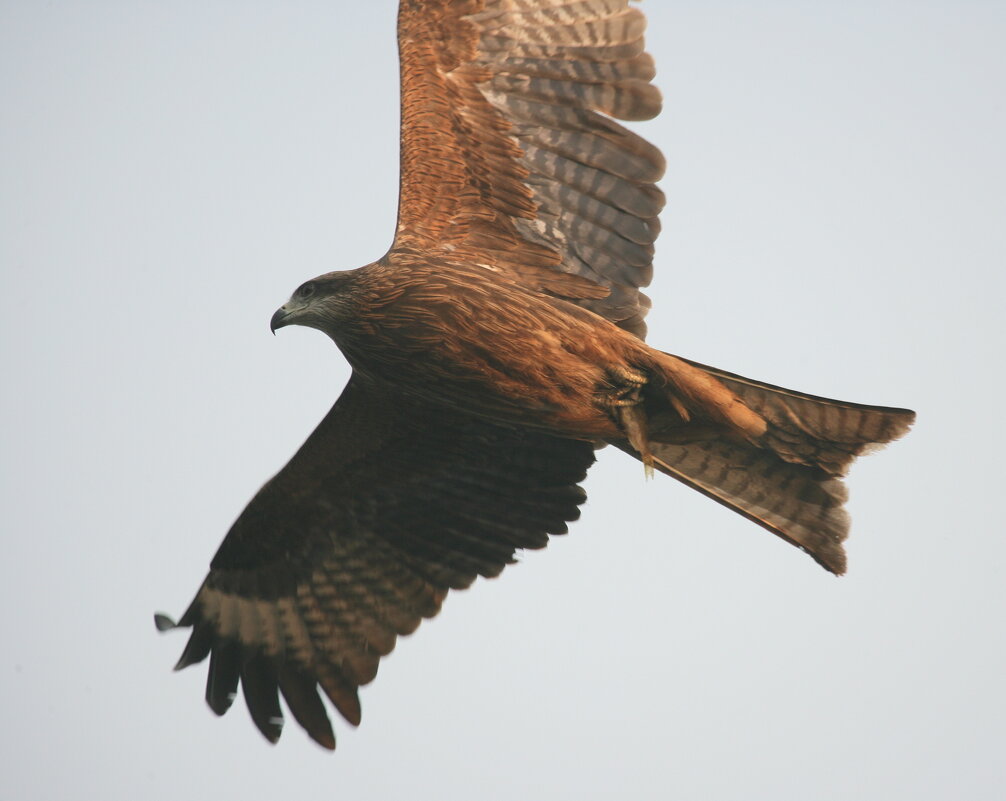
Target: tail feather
point(803, 505)
point(786, 479)
point(811, 430)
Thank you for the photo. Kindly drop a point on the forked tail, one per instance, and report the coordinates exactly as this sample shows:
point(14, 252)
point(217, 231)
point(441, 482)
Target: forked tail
point(784, 475)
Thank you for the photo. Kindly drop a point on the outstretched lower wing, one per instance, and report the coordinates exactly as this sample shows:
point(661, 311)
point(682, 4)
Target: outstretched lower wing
point(385, 508)
point(510, 156)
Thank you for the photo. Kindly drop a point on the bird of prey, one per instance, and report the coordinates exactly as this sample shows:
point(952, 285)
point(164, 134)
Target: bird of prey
point(494, 348)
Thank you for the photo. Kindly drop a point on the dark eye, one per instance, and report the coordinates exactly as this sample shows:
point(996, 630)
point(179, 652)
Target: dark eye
point(305, 291)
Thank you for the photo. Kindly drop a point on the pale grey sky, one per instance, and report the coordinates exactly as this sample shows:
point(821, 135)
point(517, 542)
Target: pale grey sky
point(169, 172)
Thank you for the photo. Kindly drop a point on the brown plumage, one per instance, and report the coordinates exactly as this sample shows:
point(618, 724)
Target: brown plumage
point(496, 344)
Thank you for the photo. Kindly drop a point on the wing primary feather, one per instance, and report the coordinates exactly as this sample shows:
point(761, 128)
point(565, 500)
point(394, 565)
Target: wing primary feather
point(261, 692)
point(340, 692)
point(301, 695)
point(164, 622)
point(198, 647)
point(223, 676)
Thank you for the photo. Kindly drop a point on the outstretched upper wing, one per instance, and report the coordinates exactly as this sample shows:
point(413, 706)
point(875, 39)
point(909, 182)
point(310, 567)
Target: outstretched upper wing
point(509, 153)
point(384, 508)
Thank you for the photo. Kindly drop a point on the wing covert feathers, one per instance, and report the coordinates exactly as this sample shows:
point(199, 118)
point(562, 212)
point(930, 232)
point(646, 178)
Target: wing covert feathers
point(510, 153)
point(385, 508)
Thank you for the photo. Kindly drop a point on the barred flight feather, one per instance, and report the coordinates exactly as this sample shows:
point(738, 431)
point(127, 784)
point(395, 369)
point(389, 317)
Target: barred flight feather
point(516, 82)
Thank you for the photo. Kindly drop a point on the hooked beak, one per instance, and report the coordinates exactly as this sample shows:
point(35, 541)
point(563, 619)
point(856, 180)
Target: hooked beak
point(279, 319)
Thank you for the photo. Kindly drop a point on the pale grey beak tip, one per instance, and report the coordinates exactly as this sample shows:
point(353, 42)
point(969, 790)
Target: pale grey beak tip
point(278, 319)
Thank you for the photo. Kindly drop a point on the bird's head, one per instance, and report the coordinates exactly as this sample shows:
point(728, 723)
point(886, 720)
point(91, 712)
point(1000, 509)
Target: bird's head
point(321, 303)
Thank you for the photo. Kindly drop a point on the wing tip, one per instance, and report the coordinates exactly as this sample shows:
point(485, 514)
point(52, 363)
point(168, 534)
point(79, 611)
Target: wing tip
point(271, 728)
point(325, 739)
point(164, 622)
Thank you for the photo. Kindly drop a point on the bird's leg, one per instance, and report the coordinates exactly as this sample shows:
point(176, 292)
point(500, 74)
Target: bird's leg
point(624, 400)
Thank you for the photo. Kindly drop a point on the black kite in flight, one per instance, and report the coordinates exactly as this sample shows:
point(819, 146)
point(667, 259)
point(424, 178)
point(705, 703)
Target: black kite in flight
point(493, 348)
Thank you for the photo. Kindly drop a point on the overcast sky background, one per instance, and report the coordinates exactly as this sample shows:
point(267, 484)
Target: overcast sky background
point(171, 171)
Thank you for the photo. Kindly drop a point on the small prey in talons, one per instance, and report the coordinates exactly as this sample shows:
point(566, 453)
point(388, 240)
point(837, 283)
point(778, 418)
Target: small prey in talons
point(624, 401)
